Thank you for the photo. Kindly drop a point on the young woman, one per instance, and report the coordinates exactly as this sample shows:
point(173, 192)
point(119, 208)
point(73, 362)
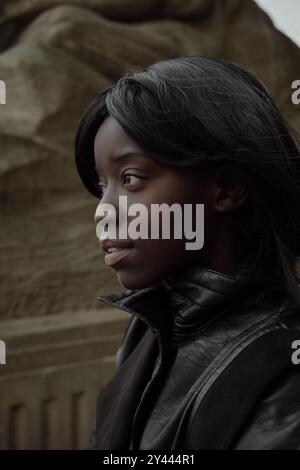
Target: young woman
point(209, 357)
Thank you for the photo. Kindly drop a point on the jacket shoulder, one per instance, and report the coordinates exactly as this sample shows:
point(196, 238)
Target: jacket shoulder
point(240, 377)
point(275, 422)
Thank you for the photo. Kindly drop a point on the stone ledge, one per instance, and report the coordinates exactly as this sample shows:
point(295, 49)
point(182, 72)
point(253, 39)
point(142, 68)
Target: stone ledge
point(61, 339)
point(56, 366)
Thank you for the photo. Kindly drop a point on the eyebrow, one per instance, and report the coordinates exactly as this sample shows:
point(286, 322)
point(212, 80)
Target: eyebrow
point(124, 156)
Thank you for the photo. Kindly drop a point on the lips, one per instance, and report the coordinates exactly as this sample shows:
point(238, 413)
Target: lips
point(116, 250)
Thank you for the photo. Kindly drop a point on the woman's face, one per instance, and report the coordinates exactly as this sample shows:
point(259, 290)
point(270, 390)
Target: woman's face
point(125, 170)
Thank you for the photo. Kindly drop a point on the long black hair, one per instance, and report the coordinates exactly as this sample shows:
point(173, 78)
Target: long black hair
point(203, 111)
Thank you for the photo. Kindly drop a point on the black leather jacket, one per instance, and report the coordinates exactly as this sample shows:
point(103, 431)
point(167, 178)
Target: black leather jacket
point(183, 333)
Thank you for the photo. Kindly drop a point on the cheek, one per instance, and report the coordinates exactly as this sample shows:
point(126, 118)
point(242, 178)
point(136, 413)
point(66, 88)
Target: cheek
point(166, 188)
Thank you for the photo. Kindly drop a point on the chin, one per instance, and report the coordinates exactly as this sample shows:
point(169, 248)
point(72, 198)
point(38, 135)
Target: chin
point(136, 281)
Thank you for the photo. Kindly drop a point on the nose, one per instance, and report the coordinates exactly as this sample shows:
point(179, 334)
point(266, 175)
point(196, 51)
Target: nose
point(107, 206)
point(104, 210)
point(97, 217)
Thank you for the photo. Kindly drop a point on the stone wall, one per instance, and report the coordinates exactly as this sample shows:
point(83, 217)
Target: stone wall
point(55, 56)
point(55, 367)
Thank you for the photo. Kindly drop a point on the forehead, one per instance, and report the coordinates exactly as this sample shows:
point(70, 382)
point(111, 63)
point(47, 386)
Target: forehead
point(111, 139)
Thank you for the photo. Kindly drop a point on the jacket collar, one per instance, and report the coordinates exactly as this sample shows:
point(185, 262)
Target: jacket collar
point(182, 304)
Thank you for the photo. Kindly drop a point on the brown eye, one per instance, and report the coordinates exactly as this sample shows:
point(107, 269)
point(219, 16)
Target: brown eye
point(129, 179)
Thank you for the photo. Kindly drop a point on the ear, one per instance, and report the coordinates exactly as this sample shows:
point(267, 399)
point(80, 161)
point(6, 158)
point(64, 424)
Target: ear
point(231, 187)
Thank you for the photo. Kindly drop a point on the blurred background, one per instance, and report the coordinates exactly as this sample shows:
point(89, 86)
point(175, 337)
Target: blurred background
point(55, 56)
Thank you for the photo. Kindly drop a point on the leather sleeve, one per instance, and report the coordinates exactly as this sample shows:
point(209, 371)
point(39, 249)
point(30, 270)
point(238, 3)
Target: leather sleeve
point(275, 423)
